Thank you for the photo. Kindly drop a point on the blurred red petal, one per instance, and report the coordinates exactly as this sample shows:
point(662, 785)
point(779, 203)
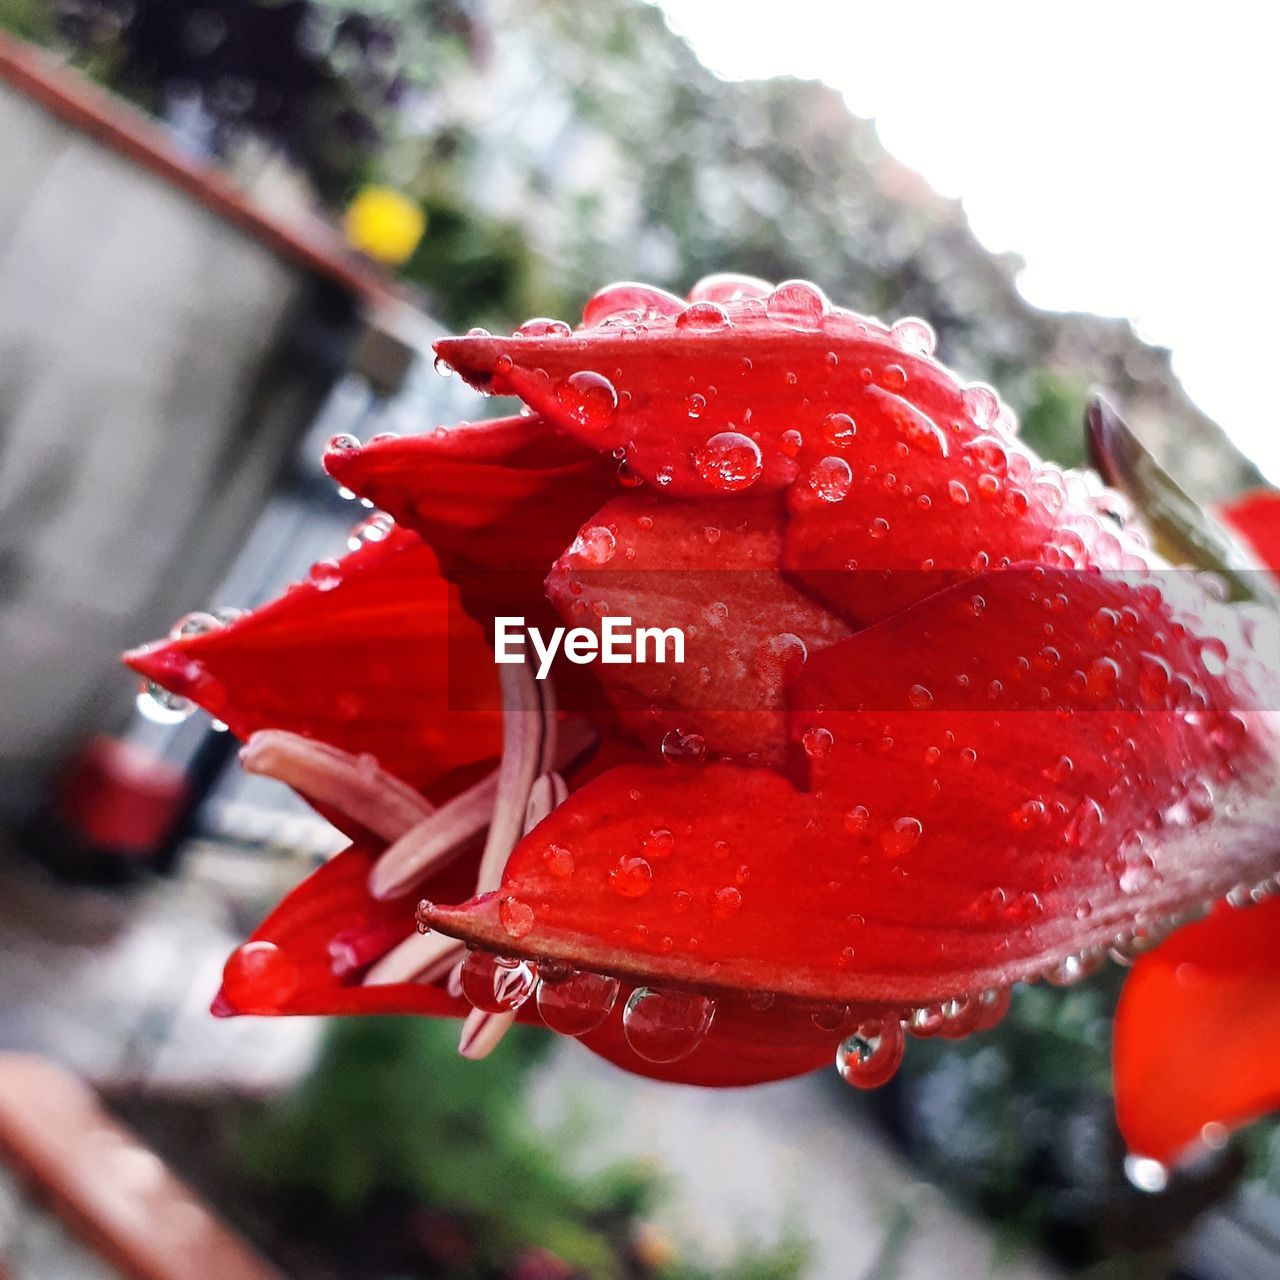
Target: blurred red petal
point(1197, 1033)
point(1255, 517)
point(368, 655)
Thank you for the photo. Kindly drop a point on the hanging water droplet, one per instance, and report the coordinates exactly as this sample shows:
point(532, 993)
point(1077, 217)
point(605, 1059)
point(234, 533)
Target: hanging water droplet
point(497, 984)
point(160, 706)
point(374, 529)
point(872, 1055)
point(1145, 1174)
point(665, 1026)
point(729, 461)
point(443, 367)
point(577, 1002)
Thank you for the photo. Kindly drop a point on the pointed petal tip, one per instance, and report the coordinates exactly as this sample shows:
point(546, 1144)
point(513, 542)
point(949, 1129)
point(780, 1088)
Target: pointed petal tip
point(473, 357)
point(221, 1007)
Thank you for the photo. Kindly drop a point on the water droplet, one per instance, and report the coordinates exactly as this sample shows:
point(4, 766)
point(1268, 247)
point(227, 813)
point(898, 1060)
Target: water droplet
point(157, 704)
point(914, 335)
point(543, 327)
point(919, 697)
point(497, 984)
point(981, 404)
point(872, 1055)
point(902, 836)
point(659, 843)
point(791, 442)
point(878, 529)
point(665, 1026)
point(595, 545)
point(443, 367)
point(729, 461)
point(831, 479)
point(559, 861)
point(577, 1002)
point(516, 916)
point(1145, 1174)
point(589, 399)
point(797, 304)
point(857, 819)
point(632, 877)
point(839, 429)
point(817, 742)
point(780, 659)
point(957, 493)
point(644, 300)
point(259, 978)
point(703, 316)
point(725, 903)
point(679, 747)
point(893, 377)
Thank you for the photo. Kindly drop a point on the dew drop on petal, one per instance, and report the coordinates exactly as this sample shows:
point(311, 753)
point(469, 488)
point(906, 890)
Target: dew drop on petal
point(797, 304)
point(725, 903)
point(703, 316)
point(902, 836)
point(729, 461)
point(914, 335)
point(831, 479)
point(517, 917)
point(632, 877)
point(589, 400)
point(543, 327)
point(497, 984)
point(790, 442)
point(595, 546)
point(839, 429)
point(644, 299)
point(665, 1026)
point(871, 1056)
point(577, 1002)
point(558, 861)
point(679, 747)
point(259, 977)
point(343, 442)
point(817, 742)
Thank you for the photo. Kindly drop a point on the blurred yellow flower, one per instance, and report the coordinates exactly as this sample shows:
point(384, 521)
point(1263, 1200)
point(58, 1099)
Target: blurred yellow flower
point(385, 224)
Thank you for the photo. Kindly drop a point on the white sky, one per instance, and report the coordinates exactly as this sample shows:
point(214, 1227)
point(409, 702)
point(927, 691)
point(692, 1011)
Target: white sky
point(1127, 150)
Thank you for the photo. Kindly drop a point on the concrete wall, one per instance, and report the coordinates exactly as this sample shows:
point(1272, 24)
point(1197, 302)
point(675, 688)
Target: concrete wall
point(144, 408)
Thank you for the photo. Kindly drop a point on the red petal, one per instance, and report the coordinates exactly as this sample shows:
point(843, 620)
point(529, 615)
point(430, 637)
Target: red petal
point(1256, 518)
point(368, 656)
point(498, 500)
point(1197, 1033)
point(947, 847)
point(661, 388)
point(711, 570)
point(329, 930)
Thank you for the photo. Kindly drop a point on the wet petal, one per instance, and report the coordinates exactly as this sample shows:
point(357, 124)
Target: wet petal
point(709, 569)
point(662, 386)
point(1197, 1033)
point(311, 954)
point(498, 501)
point(367, 655)
point(1256, 518)
point(957, 836)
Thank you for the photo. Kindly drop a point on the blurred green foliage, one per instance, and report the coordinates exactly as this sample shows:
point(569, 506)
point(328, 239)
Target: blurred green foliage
point(392, 1109)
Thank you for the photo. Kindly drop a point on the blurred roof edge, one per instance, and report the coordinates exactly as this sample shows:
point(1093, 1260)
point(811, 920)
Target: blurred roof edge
point(308, 242)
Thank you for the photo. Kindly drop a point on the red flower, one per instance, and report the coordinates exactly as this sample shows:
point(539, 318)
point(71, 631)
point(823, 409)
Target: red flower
point(1197, 1034)
point(943, 725)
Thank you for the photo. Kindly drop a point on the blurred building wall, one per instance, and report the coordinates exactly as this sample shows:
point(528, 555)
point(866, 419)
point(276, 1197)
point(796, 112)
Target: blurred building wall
point(157, 364)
